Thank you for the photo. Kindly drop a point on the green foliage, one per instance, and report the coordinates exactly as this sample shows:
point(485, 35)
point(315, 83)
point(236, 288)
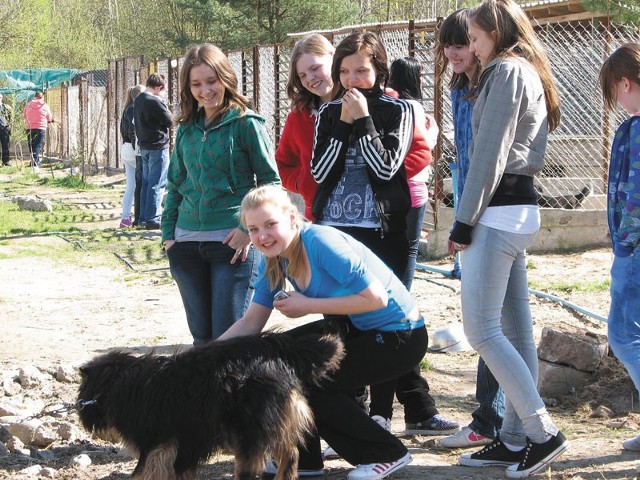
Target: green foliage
point(621, 12)
point(48, 33)
point(270, 21)
point(84, 35)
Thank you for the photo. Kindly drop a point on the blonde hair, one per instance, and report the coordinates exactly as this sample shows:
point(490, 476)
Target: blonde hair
point(276, 267)
point(209, 54)
point(515, 37)
point(622, 63)
point(314, 44)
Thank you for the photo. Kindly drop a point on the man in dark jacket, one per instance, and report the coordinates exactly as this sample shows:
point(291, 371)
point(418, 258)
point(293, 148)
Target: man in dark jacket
point(152, 121)
point(5, 131)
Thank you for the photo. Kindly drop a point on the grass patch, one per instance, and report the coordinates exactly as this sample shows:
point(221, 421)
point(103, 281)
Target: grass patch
point(57, 234)
point(425, 365)
point(573, 287)
point(15, 221)
point(73, 182)
point(134, 249)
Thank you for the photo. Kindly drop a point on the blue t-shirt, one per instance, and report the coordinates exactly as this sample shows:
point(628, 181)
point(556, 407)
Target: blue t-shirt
point(341, 265)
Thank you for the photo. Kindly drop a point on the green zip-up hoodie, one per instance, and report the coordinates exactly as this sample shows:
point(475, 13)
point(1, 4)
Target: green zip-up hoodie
point(212, 170)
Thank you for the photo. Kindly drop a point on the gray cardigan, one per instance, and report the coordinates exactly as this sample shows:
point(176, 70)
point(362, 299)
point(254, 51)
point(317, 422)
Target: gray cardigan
point(509, 124)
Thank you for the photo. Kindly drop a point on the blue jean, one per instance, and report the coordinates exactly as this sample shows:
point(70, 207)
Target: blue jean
point(36, 138)
point(215, 292)
point(497, 323)
point(624, 319)
point(415, 219)
point(155, 164)
point(487, 418)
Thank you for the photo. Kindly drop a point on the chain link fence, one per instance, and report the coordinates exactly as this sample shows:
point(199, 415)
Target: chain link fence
point(576, 160)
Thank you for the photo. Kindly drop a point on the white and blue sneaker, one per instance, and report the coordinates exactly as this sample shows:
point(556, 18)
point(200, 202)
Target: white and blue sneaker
point(376, 471)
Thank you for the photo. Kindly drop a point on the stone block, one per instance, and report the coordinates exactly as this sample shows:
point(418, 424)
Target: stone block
point(559, 380)
point(574, 349)
point(33, 204)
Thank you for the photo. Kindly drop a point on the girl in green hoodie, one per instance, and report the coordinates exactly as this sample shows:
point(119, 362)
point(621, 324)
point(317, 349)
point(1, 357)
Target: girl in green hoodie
point(222, 150)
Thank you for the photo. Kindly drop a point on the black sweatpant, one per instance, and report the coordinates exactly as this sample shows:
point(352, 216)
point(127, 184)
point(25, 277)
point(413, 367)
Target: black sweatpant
point(411, 389)
point(371, 357)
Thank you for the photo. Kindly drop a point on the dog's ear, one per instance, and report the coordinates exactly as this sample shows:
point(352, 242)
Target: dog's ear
point(85, 370)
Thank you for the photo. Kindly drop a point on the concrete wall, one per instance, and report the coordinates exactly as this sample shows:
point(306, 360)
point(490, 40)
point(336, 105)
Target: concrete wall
point(561, 230)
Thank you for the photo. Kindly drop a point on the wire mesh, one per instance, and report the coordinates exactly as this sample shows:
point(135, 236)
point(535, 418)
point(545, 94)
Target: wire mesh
point(576, 159)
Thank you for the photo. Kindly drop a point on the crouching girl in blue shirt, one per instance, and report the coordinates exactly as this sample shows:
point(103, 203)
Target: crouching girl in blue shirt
point(337, 276)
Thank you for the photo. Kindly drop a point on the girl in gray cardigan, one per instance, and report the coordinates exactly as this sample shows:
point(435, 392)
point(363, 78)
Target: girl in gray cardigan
point(516, 106)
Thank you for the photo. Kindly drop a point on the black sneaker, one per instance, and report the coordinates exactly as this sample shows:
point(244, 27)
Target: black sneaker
point(151, 225)
point(436, 425)
point(537, 456)
point(494, 454)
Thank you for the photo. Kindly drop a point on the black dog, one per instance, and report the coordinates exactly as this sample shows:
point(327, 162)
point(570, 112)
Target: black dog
point(246, 395)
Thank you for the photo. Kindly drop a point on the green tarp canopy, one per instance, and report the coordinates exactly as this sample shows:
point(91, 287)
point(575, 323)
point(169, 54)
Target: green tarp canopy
point(25, 83)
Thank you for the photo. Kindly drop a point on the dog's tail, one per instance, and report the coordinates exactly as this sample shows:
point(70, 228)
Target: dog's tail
point(316, 356)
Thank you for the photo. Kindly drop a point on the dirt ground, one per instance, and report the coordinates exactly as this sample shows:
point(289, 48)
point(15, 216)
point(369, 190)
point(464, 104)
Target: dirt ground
point(55, 312)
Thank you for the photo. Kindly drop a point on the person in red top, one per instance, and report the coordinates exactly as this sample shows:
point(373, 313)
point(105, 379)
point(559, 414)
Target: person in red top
point(405, 82)
point(37, 115)
point(309, 86)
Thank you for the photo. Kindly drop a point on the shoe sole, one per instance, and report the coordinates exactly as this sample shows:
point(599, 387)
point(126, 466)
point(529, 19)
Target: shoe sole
point(540, 465)
point(431, 433)
point(472, 462)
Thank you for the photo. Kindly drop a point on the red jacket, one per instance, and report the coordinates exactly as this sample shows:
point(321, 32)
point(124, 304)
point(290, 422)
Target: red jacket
point(293, 156)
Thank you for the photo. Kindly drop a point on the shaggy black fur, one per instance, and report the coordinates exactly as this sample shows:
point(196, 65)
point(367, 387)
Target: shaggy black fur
point(245, 395)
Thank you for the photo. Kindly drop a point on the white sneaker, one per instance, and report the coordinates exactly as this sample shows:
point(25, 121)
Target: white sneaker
point(272, 468)
point(376, 471)
point(632, 444)
point(464, 438)
point(383, 422)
